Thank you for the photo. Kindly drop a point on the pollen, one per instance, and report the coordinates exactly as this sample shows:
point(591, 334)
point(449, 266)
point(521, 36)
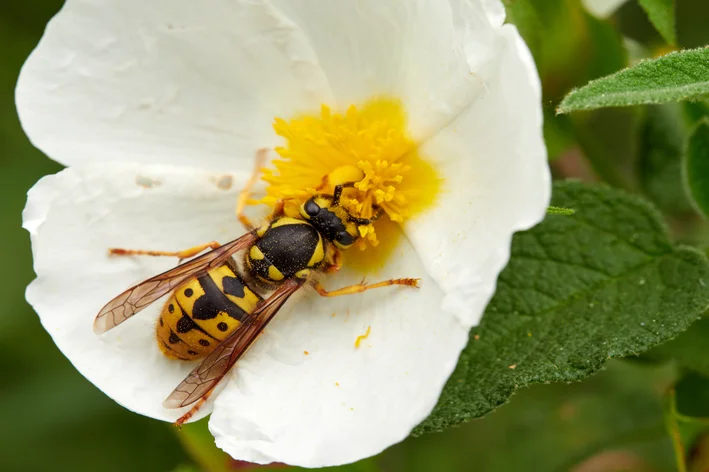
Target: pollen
point(366, 145)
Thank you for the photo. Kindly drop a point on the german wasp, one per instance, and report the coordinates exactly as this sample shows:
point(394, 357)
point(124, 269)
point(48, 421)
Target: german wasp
point(216, 309)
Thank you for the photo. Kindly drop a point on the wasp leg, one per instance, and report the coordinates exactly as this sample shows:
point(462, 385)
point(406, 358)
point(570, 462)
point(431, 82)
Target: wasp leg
point(365, 221)
point(246, 191)
point(278, 209)
point(338, 191)
point(186, 417)
point(362, 287)
point(184, 254)
point(333, 259)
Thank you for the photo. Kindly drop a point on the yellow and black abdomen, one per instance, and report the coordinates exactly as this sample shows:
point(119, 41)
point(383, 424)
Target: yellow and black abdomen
point(203, 312)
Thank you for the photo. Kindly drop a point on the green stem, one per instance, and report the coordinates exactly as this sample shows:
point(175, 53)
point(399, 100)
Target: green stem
point(199, 445)
point(673, 429)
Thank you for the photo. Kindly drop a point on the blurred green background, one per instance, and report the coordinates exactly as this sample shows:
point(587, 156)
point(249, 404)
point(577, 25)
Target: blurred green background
point(53, 419)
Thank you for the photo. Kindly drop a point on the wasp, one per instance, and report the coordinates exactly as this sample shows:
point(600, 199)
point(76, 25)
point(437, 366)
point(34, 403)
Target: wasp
point(216, 309)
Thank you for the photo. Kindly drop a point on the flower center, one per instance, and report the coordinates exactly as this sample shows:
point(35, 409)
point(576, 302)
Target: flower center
point(368, 146)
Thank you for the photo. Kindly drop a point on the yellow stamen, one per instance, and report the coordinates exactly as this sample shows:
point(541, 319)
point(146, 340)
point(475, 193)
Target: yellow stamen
point(368, 145)
point(362, 337)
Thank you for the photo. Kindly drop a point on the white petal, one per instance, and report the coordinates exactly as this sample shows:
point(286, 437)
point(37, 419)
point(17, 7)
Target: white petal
point(334, 405)
point(603, 8)
point(337, 403)
point(166, 81)
point(73, 218)
point(422, 52)
point(495, 11)
point(497, 182)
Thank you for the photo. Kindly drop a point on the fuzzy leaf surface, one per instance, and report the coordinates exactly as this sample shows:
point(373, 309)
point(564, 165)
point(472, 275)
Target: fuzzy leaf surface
point(689, 349)
point(678, 76)
point(662, 143)
point(696, 167)
point(578, 290)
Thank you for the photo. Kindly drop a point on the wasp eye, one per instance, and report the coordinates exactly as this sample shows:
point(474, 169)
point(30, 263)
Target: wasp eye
point(344, 238)
point(311, 208)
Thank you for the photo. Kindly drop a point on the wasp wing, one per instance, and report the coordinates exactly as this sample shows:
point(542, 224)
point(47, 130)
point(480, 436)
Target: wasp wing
point(207, 375)
point(140, 296)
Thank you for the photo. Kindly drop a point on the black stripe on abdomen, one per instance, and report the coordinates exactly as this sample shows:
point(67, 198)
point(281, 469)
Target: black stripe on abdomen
point(176, 354)
point(187, 324)
point(209, 305)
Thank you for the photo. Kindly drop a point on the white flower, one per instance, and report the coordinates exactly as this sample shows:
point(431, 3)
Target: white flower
point(602, 8)
point(158, 108)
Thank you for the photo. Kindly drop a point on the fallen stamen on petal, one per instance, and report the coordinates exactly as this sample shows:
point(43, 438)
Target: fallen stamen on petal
point(362, 337)
point(367, 145)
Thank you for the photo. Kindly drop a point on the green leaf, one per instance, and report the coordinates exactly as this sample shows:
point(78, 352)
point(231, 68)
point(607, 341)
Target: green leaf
point(662, 16)
point(695, 111)
point(696, 167)
point(577, 291)
point(687, 420)
point(660, 166)
point(556, 427)
point(583, 48)
point(552, 210)
point(692, 28)
point(608, 53)
point(558, 134)
point(692, 396)
point(609, 140)
point(689, 349)
point(569, 46)
point(677, 76)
